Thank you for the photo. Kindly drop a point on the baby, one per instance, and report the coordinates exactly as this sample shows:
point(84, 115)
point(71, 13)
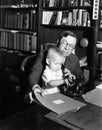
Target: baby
point(53, 75)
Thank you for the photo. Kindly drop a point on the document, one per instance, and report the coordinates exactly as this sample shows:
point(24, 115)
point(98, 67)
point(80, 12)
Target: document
point(99, 86)
point(94, 97)
point(58, 102)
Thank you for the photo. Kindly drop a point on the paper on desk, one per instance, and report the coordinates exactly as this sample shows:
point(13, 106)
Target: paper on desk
point(58, 103)
point(99, 86)
point(94, 97)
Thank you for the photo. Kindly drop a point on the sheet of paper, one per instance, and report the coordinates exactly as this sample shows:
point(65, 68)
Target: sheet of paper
point(59, 103)
point(99, 86)
point(94, 97)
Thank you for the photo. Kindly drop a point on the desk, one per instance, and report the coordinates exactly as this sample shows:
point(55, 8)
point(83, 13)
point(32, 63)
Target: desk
point(86, 118)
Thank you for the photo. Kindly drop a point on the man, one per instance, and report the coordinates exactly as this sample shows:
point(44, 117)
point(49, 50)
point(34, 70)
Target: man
point(66, 44)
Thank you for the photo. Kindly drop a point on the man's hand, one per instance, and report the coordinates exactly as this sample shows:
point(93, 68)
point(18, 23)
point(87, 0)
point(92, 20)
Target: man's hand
point(37, 90)
point(40, 90)
point(67, 72)
point(69, 75)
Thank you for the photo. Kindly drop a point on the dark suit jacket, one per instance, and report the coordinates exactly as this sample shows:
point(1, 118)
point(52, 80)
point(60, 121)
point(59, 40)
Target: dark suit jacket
point(71, 62)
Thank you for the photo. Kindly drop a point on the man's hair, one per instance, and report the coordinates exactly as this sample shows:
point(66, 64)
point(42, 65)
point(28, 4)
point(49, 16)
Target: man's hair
point(53, 50)
point(65, 34)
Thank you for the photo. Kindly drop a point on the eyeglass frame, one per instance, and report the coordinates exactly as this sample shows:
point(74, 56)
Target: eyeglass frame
point(63, 42)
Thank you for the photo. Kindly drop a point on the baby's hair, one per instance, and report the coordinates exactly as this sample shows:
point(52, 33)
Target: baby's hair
point(53, 50)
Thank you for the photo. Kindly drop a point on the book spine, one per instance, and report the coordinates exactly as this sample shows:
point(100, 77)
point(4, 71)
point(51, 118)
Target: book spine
point(58, 18)
point(74, 17)
point(33, 43)
point(100, 18)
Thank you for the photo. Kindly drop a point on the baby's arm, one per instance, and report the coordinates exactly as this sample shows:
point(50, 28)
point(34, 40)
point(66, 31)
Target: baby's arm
point(55, 83)
point(50, 81)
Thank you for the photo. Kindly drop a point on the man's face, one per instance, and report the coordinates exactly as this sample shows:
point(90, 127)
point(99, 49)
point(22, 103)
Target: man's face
point(67, 45)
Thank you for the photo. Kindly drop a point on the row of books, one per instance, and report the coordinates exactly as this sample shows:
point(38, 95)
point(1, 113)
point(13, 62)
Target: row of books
point(23, 42)
point(20, 20)
point(75, 17)
point(65, 3)
point(17, 2)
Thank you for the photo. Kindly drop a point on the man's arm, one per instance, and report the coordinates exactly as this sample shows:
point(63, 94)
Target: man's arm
point(36, 71)
point(72, 63)
point(79, 72)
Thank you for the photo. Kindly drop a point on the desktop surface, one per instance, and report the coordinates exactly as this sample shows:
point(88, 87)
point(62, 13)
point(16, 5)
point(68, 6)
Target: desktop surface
point(88, 117)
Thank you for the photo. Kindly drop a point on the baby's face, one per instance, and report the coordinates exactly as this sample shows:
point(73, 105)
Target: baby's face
point(56, 63)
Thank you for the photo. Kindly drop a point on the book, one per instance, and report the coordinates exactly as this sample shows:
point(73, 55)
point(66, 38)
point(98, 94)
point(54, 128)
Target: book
point(21, 41)
point(47, 16)
point(84, 18)
point(87, 2)
point(25, 42)
point(18, 20)
point(25, 20)
point(64, 20)
point(100, 18)
point(32, 20)
point(28, 43)
point(33, 43)
point(79, 21)
point(46, 3)
point(15, 40)
point(18, 41)
point(53, 18)
point(11, 40)
point(15, 21)
point(59, 103)
point(65, 3)
point(73, 3)
point(58, 18)
point(70, 15)
point(81, 2)
point(6, 2)
point(52, 3)
point(88, 20)
point(74, 17)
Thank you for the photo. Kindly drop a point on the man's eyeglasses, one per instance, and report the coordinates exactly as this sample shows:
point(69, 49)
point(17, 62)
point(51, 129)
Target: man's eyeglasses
point(65, 43)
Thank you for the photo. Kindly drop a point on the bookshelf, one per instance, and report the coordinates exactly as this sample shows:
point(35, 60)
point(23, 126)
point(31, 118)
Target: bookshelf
point(64, 15)
point(27, 25)
point(56, 16)
point(19, 25)
point(99, 44)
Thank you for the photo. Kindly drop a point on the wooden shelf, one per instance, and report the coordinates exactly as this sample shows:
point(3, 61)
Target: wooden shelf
point(67, 8)
point(18, 31)
point(18, 6)
point(66, 26)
